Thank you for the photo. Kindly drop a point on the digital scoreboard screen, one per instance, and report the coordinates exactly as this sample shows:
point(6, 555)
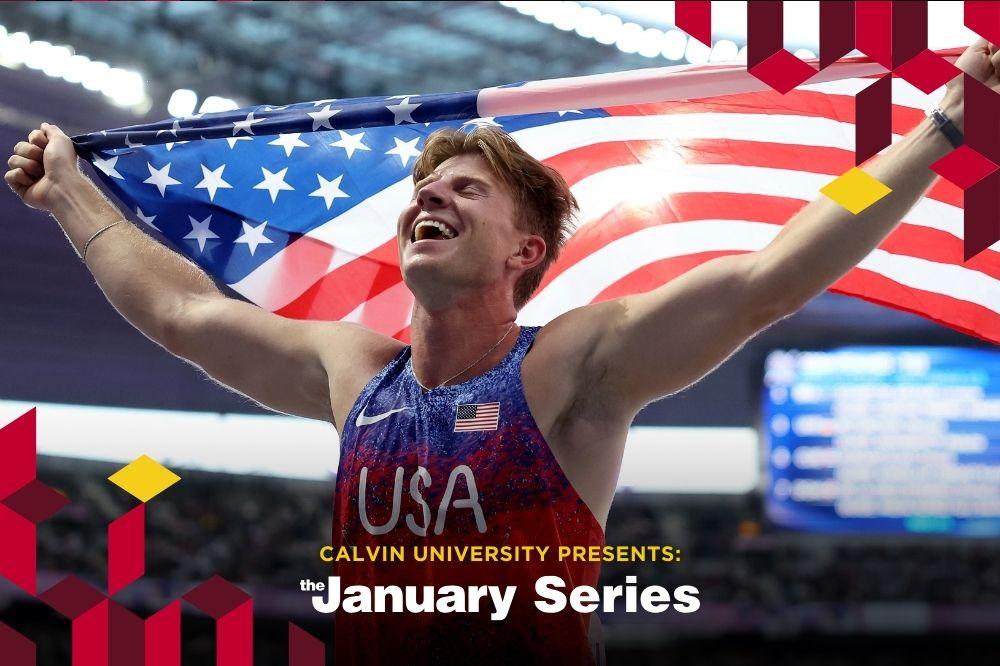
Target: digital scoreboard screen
point(883, 440)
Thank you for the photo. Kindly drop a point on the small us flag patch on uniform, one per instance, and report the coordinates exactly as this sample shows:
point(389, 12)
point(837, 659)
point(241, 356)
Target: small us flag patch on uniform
point(484, 416)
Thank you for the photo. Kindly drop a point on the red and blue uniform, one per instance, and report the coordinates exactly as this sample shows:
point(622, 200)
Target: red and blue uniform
point(461, 465)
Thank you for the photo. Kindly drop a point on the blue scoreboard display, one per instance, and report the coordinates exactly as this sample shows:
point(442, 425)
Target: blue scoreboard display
point(886, 440)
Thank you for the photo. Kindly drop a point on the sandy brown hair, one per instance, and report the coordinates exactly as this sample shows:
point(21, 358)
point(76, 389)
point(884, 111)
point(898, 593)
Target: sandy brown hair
point(543, 201)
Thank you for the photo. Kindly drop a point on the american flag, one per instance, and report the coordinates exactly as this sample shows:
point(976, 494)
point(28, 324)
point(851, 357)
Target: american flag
point(484, 416)
point(295, 206)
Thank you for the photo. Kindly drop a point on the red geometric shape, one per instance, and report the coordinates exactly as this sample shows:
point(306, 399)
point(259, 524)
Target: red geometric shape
point(18, 563)
point(17, 448)
point(909, 30)
point(964, 167)
point(982, 215)
point(982, 109)
point(927, 71)
point(126, 549)
point(873, 113)
point(764, 33)
point(126, 637)
point(17, 650)
point(90, 636)
point(163, 636)
point(783, 71)
point(71, 597)
point(36, 501)
point(695, 18)
point(836, 31)
point(873, 30)
point(216, 597)
point(234, 637)
point(304, 649)
point(983, 18)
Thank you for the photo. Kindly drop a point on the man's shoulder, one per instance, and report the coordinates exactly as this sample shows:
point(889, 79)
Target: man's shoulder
point(352, 355)
point(571, 336)
point(561, 370)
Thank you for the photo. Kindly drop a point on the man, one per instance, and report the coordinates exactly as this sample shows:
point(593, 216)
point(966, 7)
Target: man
point(480, 431)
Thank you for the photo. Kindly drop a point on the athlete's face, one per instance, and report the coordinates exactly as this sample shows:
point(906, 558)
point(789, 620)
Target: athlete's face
point(460, 231)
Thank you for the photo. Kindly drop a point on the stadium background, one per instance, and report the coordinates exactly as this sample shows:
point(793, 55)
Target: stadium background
point(253, 510)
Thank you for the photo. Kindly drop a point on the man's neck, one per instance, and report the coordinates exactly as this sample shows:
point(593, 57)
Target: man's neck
point(445, 341)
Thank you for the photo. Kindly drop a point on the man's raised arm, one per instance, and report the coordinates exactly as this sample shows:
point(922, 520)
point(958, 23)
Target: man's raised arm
point(653, 344)
point(281, 363)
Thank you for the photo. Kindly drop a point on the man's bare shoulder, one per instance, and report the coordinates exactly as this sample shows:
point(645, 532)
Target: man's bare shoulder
point(352, 355)
point(559, 371)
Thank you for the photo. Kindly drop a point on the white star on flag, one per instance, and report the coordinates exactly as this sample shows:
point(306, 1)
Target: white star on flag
point(350, 142)
point(148, 219)
point(253, 236)
point(173, 130)
point(322, 117)
point(170, 146)
point(234, 139)
point(329, 190)
point(483, 122)
point(563, 113)
point(403, 112)
point(161, 178)
point(289, 142)
point(246, 125)
point(405, 149)
point(273, 183)
point(323, 101)
point(108, 166)
point(201, 232)
point(132, 145)
point(212, 181)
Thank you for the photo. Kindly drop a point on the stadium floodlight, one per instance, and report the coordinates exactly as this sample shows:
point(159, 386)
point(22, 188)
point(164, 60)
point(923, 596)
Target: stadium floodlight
point(548, 12)
point(124, 87)
point(587, 22)
point(37, 54)
point(568, 16)
point(13, 49)
point(182, 103)
point(75, 68)
point(674, 45)
point(696, 53)
point(607, 29)
point(724, 50)
point(94, 73)
point(629, 38)
point(214, 104)
point(56, 60)
point(649, 45)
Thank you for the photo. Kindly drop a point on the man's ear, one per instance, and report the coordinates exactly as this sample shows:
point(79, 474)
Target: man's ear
point(531, 252)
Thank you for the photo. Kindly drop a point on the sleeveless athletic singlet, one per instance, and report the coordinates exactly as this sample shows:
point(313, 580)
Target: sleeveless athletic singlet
point(459, 466)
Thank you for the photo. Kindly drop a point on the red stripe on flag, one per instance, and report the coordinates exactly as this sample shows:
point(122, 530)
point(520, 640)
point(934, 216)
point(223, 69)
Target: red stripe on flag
point(336, 294)
point(797, 102)
point(907, 239)
point(575, 165)
point(967, 317)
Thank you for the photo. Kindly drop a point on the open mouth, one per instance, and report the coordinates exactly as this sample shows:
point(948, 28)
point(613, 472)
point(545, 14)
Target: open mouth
point(433, 230)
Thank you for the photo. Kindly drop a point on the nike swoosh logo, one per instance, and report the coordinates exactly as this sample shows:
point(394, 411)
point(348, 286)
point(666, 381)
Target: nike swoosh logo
point(363, 420)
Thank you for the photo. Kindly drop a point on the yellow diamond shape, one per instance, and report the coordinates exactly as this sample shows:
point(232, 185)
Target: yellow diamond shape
point(855, 190)
point(144, 478)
